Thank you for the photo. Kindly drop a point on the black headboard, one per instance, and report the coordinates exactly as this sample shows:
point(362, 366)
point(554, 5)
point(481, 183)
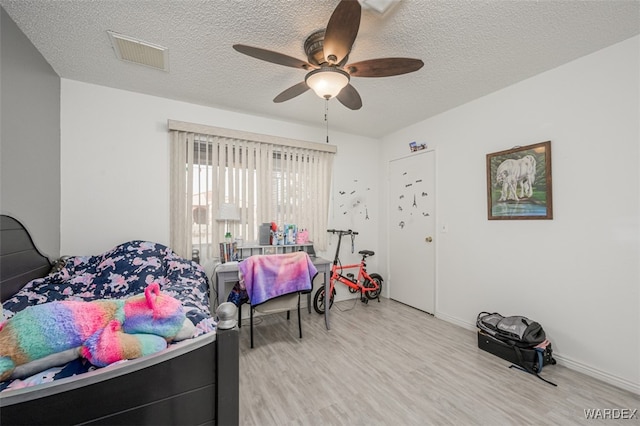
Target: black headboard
point(20, 260)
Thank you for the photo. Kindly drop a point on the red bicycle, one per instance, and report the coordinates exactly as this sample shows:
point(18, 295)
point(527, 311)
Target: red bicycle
point(368, 285)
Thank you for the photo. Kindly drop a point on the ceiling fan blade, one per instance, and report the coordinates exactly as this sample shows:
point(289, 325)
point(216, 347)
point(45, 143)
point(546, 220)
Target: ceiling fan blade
point(383, 67)
point(350, 97)
point(291, 92)
point(341, 31)
point(274, 57)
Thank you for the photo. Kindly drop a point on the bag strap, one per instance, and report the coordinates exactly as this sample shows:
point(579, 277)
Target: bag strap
point(527, 370)
point(540, 353)
point(480, 315)
point(535, 374)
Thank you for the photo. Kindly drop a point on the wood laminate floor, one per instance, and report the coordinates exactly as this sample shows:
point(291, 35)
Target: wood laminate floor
point(389, 364)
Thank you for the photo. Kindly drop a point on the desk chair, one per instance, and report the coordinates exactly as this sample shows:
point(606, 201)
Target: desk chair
point(274, 282)
point(308, 293)
point(282, 303)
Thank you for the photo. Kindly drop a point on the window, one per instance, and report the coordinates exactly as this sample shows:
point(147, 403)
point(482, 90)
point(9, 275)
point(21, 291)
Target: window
point(267, 179)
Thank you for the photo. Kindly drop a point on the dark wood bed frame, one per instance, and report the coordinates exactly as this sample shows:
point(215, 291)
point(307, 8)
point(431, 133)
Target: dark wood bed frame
point(193, 382)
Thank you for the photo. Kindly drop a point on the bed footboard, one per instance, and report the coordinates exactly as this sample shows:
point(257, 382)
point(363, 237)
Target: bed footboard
point(191, 386)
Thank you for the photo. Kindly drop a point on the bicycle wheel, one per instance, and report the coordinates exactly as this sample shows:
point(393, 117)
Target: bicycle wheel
point(319, 300)
point(368, 284)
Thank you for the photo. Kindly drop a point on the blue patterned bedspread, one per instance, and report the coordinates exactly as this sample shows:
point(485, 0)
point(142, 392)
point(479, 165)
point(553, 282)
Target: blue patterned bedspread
point(121, 272)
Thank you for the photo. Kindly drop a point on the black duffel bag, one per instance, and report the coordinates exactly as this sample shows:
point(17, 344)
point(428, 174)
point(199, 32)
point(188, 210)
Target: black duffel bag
point(516, 339)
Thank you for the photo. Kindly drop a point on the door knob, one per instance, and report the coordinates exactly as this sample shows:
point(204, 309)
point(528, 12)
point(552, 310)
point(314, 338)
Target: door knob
point(428, 239)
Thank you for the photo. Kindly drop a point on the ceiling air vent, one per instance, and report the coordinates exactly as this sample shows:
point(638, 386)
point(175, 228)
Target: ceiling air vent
point(380, 7)
point(139, 52)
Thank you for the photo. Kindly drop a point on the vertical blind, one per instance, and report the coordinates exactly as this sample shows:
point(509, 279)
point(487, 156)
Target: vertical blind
point(268, 179)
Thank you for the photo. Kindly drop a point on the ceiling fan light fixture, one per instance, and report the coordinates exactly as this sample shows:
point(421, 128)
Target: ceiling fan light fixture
point(327, 82)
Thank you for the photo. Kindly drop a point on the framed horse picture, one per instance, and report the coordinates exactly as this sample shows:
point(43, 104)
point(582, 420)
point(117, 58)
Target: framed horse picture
point(519, 183)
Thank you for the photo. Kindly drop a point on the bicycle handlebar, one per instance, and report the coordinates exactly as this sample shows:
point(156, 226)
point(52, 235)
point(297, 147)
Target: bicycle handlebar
point(341, 232)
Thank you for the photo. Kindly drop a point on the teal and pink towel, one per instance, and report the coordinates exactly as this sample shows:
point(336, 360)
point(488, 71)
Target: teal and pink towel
point(269, 276)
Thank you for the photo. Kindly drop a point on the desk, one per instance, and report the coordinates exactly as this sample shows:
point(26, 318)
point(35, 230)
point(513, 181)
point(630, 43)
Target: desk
point(226, 275)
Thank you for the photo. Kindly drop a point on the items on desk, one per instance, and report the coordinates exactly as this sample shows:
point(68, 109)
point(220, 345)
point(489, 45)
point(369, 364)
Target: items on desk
point(286, 236)
point(264, 235)
point(302, 237)
point(277, 237)
point(290, 232)
point(228, 252)
point(272, 234)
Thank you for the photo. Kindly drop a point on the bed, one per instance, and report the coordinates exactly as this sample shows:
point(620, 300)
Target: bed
point(194, 381)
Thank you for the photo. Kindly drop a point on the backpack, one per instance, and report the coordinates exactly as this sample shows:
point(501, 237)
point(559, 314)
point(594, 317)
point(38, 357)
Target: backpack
point(515, 330)
point(515, 339)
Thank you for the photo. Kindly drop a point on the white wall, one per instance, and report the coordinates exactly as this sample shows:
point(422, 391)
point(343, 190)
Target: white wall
point(115, 166)
point(29, 138)
point(355, 204)
point(578, 274)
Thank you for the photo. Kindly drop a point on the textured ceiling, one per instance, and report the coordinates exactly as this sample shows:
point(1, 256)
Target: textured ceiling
point(470, 48)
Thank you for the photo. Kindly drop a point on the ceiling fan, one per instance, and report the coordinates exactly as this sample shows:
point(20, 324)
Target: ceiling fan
point(327, 53)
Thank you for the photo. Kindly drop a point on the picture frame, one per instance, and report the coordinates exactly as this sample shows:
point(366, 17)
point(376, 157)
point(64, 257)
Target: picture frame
point(519, 183)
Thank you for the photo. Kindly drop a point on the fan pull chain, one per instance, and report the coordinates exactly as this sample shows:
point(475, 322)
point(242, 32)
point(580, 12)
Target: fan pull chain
point(326, 116)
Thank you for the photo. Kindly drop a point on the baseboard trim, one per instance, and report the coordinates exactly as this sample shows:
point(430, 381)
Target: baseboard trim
point(572, 364)
point(598, 374)
point(455, 321)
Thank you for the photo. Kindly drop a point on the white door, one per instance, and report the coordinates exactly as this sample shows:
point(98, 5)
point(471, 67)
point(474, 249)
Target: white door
point(412, 230)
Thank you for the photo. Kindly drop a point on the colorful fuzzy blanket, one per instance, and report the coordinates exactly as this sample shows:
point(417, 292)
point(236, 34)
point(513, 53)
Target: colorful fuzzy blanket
point(269, 276)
